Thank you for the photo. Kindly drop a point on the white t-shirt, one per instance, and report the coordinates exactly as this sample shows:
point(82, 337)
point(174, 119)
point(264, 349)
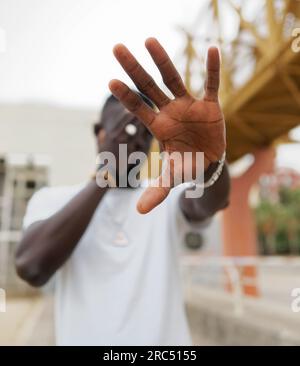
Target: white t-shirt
point(121, 285)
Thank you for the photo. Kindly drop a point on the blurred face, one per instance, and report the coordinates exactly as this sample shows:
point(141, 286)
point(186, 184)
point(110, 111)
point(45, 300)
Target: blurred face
point(118, 126)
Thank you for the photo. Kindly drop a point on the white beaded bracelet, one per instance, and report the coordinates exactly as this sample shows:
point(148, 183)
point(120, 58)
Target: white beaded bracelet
point(215, 176)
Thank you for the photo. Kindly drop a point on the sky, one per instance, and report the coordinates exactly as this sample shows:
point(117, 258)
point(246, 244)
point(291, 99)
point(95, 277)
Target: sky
point(60, 51)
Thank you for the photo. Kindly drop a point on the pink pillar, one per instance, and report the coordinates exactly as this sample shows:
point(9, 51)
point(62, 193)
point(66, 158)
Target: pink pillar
point(239, 229)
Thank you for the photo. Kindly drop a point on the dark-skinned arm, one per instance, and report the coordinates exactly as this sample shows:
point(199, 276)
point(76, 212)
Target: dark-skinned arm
point(215, 198)
point(47, 244)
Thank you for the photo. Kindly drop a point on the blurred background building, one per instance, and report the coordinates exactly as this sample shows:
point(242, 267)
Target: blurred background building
point(54, 69)
point(38, 148)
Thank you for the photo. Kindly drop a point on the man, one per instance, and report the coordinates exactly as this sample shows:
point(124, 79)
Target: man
point(117, 280)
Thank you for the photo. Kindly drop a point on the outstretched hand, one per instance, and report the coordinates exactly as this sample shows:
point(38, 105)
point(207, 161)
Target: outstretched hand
point(182, 124)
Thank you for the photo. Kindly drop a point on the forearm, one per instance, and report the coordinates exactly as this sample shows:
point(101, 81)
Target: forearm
point(215, 198)
point(47, 244)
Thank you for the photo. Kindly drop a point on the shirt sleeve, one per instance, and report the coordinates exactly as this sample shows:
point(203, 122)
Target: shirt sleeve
point(46, 202)
point(39, 207)
point(191, 237)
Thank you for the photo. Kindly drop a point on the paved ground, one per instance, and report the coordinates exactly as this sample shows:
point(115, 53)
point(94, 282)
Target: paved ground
point(27, 321)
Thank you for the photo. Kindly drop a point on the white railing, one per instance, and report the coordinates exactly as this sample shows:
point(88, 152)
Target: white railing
point(232, 274)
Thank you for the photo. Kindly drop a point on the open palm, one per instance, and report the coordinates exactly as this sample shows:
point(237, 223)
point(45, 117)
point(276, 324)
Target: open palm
point(182, 124)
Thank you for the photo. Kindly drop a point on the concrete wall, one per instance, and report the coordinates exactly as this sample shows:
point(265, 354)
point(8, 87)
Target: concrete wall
point(261, 323)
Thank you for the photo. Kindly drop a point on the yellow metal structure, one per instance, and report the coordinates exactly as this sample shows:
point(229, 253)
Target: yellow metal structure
point(260, 90)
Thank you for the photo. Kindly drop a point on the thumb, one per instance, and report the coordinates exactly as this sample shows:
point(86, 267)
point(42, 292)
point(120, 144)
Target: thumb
point(152, 197)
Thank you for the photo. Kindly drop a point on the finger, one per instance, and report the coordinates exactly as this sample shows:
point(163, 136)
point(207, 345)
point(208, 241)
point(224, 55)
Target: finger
point(170, 75)
point(151, 198)
point(143, 81)
point(133, 102)
point(212, 81)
